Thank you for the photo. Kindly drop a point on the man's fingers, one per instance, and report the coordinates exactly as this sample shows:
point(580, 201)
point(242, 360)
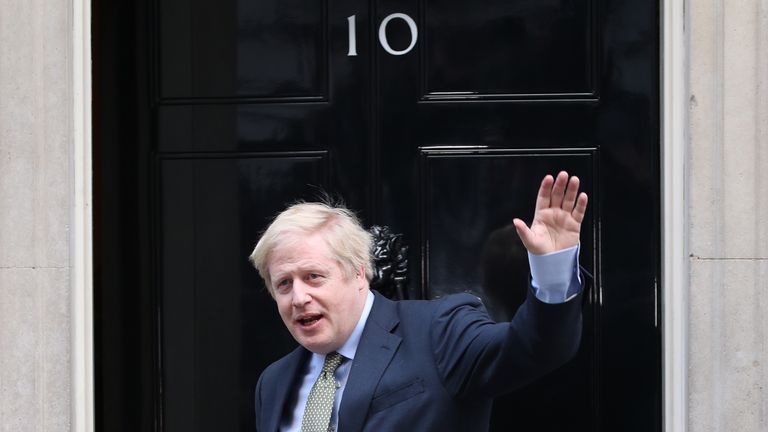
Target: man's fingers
point(581, 208)
point(570, 193)
point(545, 192)
point(558, 190)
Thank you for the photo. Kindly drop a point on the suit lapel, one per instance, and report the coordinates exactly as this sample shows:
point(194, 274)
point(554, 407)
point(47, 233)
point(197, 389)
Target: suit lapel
point(374, 352)
point(292, 369)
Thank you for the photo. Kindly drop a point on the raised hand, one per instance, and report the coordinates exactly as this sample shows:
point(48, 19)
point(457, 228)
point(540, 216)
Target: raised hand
point(559, 212)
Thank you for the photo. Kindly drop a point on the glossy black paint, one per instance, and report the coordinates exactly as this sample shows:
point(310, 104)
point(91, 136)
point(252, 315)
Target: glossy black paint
point(219, 326)
point(211, 116)
point(508, 50)
point(242, 49)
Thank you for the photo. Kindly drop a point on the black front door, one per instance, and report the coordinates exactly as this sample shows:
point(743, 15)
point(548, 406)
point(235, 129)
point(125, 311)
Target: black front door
point(436, 119)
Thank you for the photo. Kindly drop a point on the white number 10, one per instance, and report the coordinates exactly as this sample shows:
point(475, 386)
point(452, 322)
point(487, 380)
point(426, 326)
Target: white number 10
point(383, 34)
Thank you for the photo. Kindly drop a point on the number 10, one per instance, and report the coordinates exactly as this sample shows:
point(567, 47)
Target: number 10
point(383, 34)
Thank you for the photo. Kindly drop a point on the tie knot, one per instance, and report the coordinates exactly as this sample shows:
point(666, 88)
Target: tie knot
point(332, 361)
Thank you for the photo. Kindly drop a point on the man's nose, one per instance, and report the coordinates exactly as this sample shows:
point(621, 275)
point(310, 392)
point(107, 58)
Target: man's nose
point(300, 294)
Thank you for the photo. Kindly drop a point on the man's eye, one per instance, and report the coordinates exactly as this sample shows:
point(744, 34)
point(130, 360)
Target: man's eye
point(314, 276)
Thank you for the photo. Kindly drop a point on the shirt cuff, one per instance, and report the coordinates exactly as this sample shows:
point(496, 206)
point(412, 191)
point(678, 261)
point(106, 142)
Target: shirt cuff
point(555, 276)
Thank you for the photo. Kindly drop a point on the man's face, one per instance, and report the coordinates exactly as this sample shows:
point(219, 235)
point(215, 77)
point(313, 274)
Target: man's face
point(319, 304)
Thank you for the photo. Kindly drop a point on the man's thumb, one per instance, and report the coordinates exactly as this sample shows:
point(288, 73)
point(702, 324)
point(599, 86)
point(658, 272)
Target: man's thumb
point(523, 231)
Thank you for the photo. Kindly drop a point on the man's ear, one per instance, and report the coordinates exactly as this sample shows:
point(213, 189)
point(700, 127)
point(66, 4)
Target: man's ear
point(360, 276)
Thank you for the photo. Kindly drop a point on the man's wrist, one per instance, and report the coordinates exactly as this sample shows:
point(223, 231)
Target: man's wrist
point(555, 275)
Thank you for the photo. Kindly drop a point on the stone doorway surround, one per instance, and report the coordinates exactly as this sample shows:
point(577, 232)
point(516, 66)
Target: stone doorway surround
point(81, 240)
point(673, 210)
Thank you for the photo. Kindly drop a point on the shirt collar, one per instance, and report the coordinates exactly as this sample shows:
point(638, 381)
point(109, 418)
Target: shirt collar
point(350, 346)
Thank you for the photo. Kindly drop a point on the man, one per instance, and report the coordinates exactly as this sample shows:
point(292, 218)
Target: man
point(368, 363)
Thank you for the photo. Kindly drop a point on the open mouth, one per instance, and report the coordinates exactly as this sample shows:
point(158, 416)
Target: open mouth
point(308, 320)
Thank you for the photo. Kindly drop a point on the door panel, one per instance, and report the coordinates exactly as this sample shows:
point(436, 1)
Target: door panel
point(243, 49)
point(219, 324)
point(470, 245)
point(497, 48)
point(458, 222)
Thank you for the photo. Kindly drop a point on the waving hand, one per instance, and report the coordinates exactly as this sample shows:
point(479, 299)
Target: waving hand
point(559, 212)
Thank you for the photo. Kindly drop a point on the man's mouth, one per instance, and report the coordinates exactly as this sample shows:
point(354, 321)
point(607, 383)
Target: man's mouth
point(307, 320)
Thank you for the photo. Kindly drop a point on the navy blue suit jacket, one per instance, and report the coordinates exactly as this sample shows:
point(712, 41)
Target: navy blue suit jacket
point(433, 365)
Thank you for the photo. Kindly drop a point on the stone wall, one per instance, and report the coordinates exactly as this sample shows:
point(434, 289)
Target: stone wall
point(35, 211)
point(728, 215)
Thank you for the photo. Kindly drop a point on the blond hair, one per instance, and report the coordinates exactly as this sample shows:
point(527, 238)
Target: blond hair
point(350, 244)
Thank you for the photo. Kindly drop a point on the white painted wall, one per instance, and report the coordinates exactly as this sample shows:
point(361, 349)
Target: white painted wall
point(35, 208)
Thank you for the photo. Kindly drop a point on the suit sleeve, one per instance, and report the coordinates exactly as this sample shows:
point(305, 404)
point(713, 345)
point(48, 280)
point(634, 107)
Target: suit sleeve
point(479, 358)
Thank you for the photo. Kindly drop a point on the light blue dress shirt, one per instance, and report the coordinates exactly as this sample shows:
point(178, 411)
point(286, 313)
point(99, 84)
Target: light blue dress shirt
point(315, 365)
point(554, 277)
